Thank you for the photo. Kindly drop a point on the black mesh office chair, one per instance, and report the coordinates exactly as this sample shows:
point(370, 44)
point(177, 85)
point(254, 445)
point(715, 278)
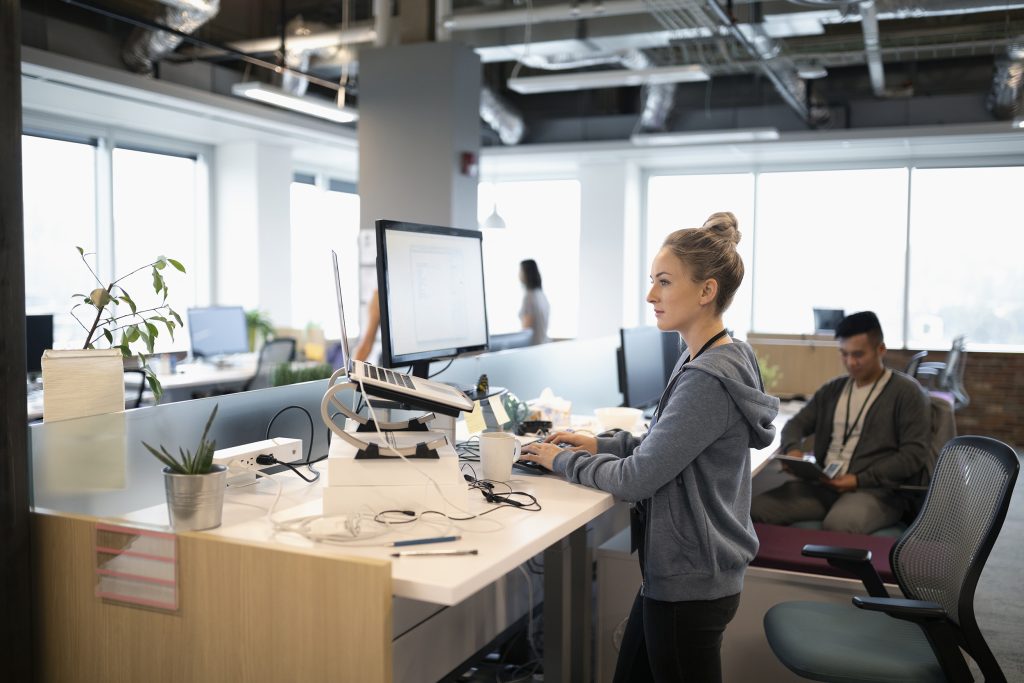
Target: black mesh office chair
point(134, 392)
point(937, 563)
point(948, 376)
point(915, 363)
point(272, 354)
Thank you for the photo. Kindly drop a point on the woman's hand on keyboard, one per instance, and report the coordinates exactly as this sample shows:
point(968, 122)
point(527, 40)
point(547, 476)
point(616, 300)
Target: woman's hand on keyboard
point(574, 440)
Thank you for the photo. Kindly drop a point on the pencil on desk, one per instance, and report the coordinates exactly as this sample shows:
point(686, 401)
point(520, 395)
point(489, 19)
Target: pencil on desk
point(422, 541)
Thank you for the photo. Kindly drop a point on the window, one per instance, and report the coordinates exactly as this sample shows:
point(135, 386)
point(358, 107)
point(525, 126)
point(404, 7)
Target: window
point(156, 208)
point(59, 180)
point(322, 220)
point(542, 219)
point(686, 201)
point(965, 274)
point(830, 239)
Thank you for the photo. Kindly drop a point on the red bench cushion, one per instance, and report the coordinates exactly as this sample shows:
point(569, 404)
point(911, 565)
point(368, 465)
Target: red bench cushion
point(781, 546)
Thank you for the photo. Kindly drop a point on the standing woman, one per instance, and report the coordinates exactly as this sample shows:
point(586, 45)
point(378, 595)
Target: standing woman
point(535, 309)
point(689, 477)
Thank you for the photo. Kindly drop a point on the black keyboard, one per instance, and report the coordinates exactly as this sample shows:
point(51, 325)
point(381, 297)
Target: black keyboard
point(397, 379)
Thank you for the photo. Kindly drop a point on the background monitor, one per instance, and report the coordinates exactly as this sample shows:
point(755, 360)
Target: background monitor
point(430, 283)
point(217, 331)
point(827, 319)
point(38, 338)
point(646, 359)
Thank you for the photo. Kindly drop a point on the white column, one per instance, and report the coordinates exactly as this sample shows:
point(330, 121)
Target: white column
point(610, 277)
point(252, 242)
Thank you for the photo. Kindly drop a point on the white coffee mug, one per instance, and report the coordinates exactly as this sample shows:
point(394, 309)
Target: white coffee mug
point(498, 450)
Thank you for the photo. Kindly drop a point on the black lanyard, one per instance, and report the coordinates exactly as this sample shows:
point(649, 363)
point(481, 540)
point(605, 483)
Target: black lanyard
point(671, 385)
point(847, 427)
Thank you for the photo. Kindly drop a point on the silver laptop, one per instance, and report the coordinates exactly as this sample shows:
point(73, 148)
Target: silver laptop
point(397, 386)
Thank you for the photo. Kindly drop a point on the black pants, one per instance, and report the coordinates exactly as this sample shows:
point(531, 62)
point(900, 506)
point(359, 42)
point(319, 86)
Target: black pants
point(674, 641)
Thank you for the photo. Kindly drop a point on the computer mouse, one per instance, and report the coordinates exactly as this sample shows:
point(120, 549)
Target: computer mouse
point(610, 432)
point(531, 467)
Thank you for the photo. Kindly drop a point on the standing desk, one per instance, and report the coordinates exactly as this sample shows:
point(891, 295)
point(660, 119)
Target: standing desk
point(558, 531)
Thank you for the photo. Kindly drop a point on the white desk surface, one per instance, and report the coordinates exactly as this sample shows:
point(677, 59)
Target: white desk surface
point(188, 375)
point(439, 580)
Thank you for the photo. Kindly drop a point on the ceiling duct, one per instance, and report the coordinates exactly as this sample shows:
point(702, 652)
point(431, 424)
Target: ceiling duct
point(657, 98)
point(300, 58)
point(1006, 99)
point(500, 116)
point(906, 9)
point(779, 69)
point(145, 47)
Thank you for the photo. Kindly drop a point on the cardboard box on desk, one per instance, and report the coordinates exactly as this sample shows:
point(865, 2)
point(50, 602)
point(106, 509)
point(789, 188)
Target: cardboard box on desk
point(392, 483)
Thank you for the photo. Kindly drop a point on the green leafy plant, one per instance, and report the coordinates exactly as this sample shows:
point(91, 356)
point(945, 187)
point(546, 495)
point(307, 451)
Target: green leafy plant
point(187, 463)
point(284, 374)
point(258, 323)
point(121, 329)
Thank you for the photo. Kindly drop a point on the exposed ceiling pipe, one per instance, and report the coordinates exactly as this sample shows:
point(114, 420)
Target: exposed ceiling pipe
point(909, 9)
point(569, 11)
point(780, 70)
point(1006, 99)
point(500, 116)
point(300, 58)
point(657, 98)
point(873, 52)
point(144, 47)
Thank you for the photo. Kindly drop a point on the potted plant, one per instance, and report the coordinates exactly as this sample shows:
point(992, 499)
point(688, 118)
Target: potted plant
point(258, 323)
point(90, 381)
point(193, 484)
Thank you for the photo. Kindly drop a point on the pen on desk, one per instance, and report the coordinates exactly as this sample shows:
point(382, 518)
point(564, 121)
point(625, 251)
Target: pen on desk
point(421, 541)
point(433, 553)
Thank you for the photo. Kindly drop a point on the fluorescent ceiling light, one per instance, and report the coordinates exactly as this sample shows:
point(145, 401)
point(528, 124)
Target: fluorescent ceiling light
point(305, 105)
point(708, 137)
point(589, 80)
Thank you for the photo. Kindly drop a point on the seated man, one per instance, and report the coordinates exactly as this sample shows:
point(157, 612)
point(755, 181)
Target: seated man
point(873, 426)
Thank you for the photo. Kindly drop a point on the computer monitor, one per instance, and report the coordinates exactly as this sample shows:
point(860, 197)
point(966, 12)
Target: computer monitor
point(646, 359)
point(827, 319)
point(217, 331)
point(38, 338)
point(430, 282)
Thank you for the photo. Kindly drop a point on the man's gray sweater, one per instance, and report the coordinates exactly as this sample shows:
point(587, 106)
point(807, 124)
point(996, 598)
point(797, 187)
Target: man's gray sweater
point(692, 470)
point(894, 445)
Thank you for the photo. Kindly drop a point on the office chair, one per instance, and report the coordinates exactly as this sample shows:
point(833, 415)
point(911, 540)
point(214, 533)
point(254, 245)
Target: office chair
point(949, 376)
point(135, 401)
point(915, 363)
point(937, 564)
point(272, 354)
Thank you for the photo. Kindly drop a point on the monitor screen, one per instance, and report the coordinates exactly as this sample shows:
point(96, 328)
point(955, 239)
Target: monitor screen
point(38, 338)
point(430, 282)
point(217, 331)
point(827, 319)
point(647, 356)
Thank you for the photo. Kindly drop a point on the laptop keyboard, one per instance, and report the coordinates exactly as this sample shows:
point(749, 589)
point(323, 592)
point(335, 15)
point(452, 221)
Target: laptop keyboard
point(397, 379)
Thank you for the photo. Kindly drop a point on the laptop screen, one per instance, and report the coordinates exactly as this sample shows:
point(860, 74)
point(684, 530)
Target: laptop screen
point(346, 357)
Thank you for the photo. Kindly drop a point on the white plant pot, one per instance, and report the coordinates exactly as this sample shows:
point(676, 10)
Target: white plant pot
point(195, 501)
point(81, 383)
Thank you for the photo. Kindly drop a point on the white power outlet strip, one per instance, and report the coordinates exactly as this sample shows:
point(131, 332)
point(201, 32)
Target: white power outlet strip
point(241, 460)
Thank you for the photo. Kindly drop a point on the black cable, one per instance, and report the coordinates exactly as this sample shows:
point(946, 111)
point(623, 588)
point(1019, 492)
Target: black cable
point(312, 428)
point(431, 376)
point(266, 459)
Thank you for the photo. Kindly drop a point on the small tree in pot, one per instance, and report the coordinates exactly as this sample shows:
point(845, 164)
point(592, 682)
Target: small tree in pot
point(121, 329)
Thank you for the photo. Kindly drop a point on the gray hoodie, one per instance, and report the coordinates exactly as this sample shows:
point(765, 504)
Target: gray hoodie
point(692, 470)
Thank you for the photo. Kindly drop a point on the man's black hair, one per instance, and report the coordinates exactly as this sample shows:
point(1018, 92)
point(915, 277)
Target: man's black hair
point(864, 322)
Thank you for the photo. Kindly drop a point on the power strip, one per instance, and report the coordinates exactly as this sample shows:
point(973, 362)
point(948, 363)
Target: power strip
point(241, 460)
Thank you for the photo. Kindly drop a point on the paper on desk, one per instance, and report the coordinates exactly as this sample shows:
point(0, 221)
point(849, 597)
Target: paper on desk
point(475, 420)
point(499, 410)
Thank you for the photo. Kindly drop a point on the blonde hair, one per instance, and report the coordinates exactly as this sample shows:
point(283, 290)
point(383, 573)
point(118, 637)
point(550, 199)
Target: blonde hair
point(710, 253)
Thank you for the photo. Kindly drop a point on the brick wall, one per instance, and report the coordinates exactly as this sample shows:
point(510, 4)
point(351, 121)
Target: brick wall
point(995, 384)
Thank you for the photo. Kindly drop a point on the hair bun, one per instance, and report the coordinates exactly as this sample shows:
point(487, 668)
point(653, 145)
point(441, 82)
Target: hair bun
point(723, 224)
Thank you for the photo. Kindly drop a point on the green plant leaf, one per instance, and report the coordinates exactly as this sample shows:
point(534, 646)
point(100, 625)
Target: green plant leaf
point(109, 336)
point(131, 334)
point(158, 282)
point(125, 351)
point(176, 264)
point(154, 385)
point(167, 460)
point(170, 328)
point(81, 252)
point(128, 299)
point(161, 263)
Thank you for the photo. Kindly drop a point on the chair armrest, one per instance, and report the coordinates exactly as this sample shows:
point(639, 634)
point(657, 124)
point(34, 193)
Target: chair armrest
point(912, 488)
point(931, 618)
point(929, 371)
point(857, 561)
point(910, 610)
